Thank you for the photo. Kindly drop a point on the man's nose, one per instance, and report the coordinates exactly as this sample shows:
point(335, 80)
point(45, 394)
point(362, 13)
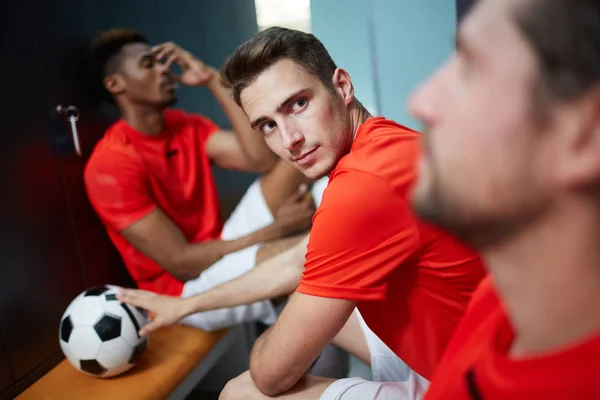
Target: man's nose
point(291, 138)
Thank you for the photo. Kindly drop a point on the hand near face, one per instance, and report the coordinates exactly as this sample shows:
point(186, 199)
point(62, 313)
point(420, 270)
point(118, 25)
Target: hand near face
point(194, 71)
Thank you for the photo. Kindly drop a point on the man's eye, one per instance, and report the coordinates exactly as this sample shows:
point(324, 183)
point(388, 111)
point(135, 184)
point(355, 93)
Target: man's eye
point(299, 105)
point(267, 127)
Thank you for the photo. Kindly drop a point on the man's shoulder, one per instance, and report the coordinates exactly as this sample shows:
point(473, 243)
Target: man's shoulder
point(355, 196)
point(386, 150)
point(112, 151)
point(115, 138)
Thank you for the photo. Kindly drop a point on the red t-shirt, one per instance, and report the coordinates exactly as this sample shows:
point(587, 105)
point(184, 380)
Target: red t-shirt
point(476, 363)
point(130, 174)
point(412, 281)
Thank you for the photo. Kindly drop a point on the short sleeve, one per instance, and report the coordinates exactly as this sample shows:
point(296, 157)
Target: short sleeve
point(118, 189)
point(205, 126)
point(362, 231)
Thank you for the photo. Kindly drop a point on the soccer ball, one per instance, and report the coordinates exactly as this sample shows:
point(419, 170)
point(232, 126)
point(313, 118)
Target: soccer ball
point(99, 334)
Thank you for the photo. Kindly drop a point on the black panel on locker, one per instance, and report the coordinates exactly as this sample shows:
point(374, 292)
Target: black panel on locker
point(61, 33)
point(40, 271)
point(6, 378)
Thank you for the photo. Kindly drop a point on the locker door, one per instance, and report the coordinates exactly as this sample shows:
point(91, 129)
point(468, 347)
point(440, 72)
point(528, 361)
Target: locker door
point(60, 31)
point(40, 272)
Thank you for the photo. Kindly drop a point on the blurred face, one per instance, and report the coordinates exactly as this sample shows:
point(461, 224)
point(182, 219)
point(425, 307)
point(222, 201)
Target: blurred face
point(487, 166)
point(303, 122)
point(141, 78)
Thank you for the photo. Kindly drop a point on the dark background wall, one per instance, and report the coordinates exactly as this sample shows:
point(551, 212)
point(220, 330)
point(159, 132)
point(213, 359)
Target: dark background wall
point(53, 246)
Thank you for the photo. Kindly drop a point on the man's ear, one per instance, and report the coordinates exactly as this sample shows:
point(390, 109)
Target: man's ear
point(342, 85)
point(580, 149)
point(114, 84)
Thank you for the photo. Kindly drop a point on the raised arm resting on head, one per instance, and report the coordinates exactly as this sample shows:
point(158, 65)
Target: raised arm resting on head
point(243, 149)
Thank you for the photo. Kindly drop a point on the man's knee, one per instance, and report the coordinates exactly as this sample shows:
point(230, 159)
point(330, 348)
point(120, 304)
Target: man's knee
point(241, 388)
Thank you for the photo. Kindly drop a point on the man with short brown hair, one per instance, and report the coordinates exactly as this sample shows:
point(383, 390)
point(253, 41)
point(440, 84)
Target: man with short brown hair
point(410, 281)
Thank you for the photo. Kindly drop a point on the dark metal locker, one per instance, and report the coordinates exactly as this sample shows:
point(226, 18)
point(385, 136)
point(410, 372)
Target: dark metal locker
point(61, 31)
point(40, 272)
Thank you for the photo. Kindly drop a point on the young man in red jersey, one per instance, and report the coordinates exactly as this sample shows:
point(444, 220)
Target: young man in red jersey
point(150, 180)
point(512, 165)
point(410, 281)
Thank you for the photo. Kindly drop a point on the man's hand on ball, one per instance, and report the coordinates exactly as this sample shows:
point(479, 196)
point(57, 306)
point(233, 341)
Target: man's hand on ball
point(166, 310)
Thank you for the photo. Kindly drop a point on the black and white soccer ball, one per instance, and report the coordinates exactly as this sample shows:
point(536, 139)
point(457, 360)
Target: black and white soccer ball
point(99, 334)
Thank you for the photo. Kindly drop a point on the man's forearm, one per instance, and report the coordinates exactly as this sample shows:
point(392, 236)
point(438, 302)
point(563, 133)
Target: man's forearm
point(252, 143)
point(280, 381)
point(283, 354)
point(275, 277)
point(199, 256)
point(256, 352)
point(257, 349)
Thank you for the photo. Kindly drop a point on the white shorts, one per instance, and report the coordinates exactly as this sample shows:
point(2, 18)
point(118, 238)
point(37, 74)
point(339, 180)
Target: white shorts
point(392, 378)
point(251, 214)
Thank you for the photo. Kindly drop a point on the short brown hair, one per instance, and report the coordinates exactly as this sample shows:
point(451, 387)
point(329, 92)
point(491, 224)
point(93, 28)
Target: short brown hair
point(565, 35)
point(266, 48)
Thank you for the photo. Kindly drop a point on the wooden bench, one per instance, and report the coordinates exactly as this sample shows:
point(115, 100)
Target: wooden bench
point(177, 358)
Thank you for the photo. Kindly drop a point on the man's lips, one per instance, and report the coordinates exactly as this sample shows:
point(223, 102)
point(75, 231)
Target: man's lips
point(170, 84)
point(304, 155)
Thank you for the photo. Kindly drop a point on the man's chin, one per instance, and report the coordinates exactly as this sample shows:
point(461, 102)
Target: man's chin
point(437, 210)
point(315, 175)
point(421, 203)
point(420, 192)
point(428, 205)
point(171, 102)
point(310, 173)
point(167, 102)
point(316, 171)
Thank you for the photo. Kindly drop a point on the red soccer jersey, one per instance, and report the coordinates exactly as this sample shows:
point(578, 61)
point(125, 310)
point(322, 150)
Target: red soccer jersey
point(476, 365)
point(130, 174)
point(412, 281)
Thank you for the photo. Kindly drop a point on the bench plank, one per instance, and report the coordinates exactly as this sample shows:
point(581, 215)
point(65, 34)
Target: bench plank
point(173, 352)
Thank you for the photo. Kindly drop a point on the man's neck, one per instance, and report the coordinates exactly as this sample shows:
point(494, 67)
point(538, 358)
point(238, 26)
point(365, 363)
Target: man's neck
point(548, 278)
point(149, 121)
point(358, 115)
